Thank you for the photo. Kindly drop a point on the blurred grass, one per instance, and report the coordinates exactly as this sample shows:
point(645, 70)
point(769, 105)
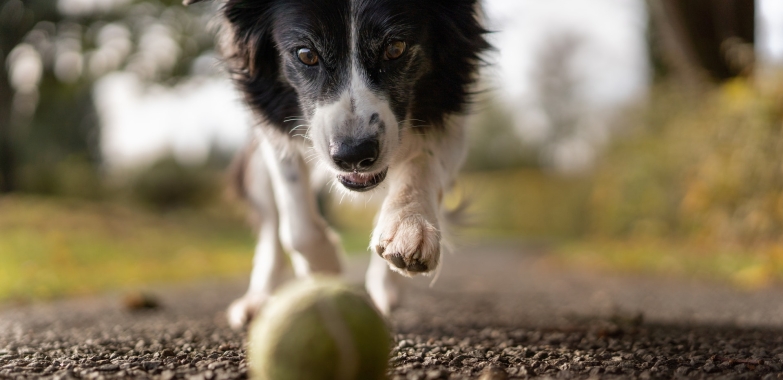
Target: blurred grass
point(694, 188)
point(747, 268)
point(704, 169)
point(51, 247)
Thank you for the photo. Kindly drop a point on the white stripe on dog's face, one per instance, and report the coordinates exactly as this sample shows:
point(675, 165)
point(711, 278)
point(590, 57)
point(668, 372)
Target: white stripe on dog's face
point(358, 115)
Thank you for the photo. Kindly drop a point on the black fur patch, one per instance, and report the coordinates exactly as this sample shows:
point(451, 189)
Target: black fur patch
point(430, 80)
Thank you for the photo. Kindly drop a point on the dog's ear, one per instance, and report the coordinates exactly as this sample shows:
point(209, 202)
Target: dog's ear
point(255, 62)
point(460, 37)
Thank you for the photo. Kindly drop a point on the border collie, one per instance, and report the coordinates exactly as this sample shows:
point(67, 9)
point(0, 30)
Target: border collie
point(368, 93)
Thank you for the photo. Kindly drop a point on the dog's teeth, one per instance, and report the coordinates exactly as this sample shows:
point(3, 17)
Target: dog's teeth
point(357, 178)
point(361, 181)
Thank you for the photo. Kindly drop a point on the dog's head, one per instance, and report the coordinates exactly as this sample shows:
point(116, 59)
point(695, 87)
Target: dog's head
point(353, 75)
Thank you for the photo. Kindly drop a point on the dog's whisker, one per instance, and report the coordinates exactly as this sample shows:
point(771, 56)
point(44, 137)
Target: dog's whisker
point(311, 155)
point(303, 135)
point(294, 129)
point(291, 132)
point(341, 198)
point(412, 126)
point(310, 158)
point(367, 200)
point(410, 120)
point(407, 127)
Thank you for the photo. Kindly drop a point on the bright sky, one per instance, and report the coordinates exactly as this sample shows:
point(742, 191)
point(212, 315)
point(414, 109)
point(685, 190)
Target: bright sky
point(770, 30)
point(142, 124)
point(612, 59)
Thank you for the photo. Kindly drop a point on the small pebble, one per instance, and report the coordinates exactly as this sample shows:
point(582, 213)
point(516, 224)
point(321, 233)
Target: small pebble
point(135, 301)
point(493, 373)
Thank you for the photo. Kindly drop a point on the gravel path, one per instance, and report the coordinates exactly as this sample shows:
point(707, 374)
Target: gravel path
point(495, 313)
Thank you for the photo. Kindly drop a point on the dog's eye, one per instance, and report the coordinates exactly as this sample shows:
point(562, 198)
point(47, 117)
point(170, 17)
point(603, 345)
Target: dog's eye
point(395, 49)
point(307, 56)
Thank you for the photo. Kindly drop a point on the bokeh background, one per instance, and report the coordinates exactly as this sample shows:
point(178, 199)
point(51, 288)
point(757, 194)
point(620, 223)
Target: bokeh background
point(633, 136)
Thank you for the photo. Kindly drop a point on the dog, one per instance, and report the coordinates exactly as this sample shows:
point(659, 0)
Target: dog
point(370, 94)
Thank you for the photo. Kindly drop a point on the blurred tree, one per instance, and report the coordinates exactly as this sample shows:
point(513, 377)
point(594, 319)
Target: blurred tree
point(557, 86)
point(559, 89)
point(494, 144)
point(168, 185)
point(16, 21)
point(53, 51)
point(702, 39)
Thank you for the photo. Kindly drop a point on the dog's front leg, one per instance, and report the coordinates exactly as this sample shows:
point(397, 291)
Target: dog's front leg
point(408, 230)
point(407, 233)
point(313, 247)
point(269, 259)
point(277, 186)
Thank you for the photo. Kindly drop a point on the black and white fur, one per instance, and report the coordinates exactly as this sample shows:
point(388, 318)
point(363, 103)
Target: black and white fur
point(373, 122)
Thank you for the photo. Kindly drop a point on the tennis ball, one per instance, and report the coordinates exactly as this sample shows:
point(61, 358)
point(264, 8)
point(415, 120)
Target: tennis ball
point(316, 329)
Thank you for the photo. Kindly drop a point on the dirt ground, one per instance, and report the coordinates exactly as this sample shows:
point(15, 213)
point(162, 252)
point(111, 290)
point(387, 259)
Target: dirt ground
point(494, 313)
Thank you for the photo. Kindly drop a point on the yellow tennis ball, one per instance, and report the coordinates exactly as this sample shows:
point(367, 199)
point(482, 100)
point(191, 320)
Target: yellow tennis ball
point(318, 329)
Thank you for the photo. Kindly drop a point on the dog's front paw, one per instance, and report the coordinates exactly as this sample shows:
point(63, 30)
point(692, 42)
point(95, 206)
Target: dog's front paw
point(411, 244)
point(244, 309)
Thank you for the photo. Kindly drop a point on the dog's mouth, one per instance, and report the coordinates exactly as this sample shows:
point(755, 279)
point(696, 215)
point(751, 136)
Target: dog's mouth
point(362, 181)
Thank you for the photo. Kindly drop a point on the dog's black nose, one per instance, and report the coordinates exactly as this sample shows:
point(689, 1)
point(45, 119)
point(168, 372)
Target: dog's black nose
point(355, 155)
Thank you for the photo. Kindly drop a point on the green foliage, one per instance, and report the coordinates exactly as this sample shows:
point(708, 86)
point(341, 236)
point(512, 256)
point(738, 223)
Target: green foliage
point(706, 169)
point(73, 177)
point(494, 144)
point(167, 185)
point(523, 203)
point(690, 187)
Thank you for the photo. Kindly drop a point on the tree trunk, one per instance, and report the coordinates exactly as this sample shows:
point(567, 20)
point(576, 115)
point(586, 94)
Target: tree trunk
point(7, 156)
point(17, 18)
point(714, 37)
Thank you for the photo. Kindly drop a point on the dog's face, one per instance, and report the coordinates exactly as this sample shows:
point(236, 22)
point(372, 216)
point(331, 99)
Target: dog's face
point(354, 68)
point(355, 73)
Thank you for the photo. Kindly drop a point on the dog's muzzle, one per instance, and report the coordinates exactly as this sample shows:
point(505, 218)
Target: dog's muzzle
point(357, 158)
point(355, 155)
